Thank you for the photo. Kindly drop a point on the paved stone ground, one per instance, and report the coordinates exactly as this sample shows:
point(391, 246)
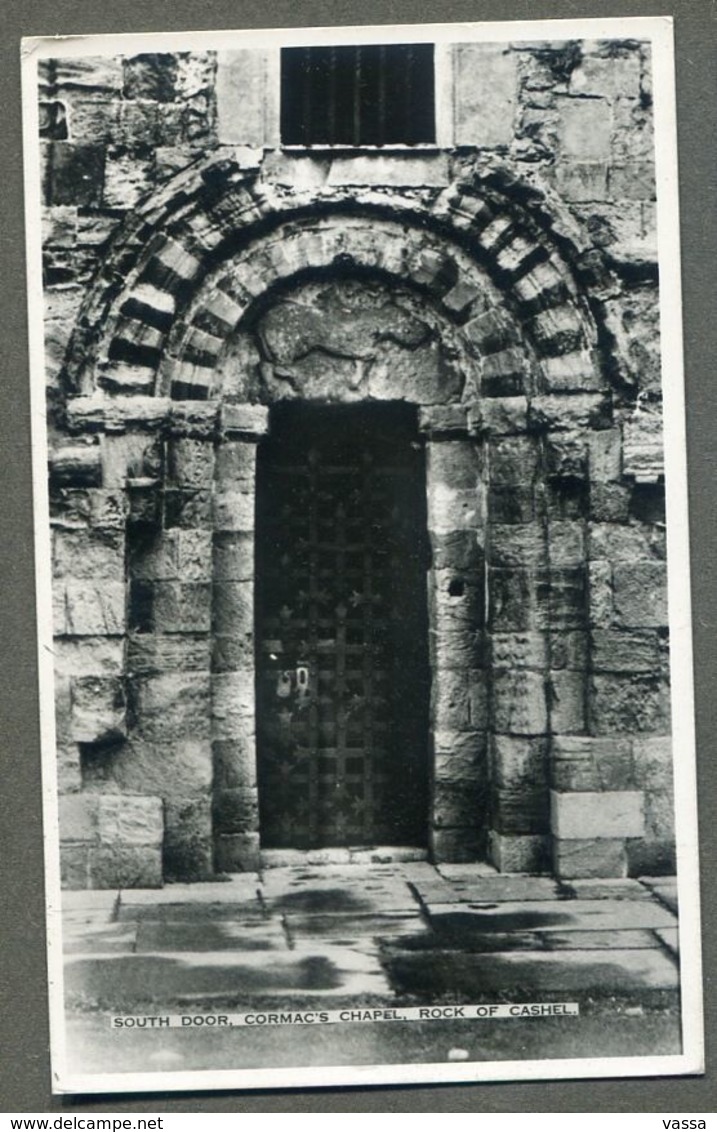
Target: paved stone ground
point(303, 937)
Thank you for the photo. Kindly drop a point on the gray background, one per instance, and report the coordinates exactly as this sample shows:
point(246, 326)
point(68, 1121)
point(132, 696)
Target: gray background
point(25, 1080)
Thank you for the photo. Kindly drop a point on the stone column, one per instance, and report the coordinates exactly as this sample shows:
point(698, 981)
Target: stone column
point(235, 796)
point(456, 634)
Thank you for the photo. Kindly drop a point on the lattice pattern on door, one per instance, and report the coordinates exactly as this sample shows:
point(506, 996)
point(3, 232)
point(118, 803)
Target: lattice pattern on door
point(342, 684)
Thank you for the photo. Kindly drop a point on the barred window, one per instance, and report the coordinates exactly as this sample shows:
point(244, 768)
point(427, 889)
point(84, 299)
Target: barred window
point(379, 94)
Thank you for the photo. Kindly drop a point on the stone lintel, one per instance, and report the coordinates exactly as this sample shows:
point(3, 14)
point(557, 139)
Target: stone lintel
point(443, 420)
point(244, 420)
point(590, 814)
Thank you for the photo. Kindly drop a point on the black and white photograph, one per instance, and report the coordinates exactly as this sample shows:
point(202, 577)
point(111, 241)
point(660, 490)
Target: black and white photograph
point(362, 555)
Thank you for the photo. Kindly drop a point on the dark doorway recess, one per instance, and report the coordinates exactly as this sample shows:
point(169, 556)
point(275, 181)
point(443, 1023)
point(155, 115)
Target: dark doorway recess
point(342, 649)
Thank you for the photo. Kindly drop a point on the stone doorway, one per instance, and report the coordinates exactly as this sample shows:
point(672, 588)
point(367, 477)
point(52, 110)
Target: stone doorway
point(342, 628)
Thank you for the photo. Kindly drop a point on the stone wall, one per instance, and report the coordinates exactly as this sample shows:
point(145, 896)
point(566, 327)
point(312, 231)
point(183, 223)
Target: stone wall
point(508, 285)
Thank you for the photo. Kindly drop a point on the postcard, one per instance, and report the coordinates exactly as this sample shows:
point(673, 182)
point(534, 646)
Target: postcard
point(362, 555)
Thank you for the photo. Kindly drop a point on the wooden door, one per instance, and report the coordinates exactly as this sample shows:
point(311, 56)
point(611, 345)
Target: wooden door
point(342, 669)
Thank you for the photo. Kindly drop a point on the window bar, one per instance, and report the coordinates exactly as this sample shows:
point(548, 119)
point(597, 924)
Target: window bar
point(357, 97)
point(382, 95)
point(332, 96)
point(408, 129)
point(306, 131)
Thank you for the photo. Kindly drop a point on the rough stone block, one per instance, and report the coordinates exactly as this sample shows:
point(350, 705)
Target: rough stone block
point(513, 461)
point(78, 818)
point(237, 853)
point(178, 769)
point(561, 598)
point(245, 420)
point(90, 610)
point(519, 853)
point(236, 465)
point(625, 651)
point(99, 73)
point(609, 502)
point(512, 600)
point(458, 804)
point(628, 702)
point(582, 181)
point(192, 509)
point(103, 656)
point(524, 809)
point(194, 555)
point(460, 756)
point(635, 180)
point(590, 858)
point(486, 92)
point(125, 819)
point(500, 416)
point(602, 610)
point(398, 170)
point(235, 761)
point(234, 511)
point(456, 647)
point(575, 371)
point(451, 509)
point(585, 129)
point(241, 97)
point(567, 701)
point(171, 706)
point(233, 556)
point(456, 550)
point(511, 504)
point(73, 174)
point(456, 601)
point(453, 463)
point(188, 851)
point(75, 866)
point(653, 761)
point(127, 178)
point(450, 699)
point(149, 653)
point(517, 761)
point(518, 544)
point(68, 769)
point(519, 702)
point(632, 543)
point(568, 650)
point(232, 704)
point(456, 845)
point(567, 543)
point(236, 810)
point(125, 866)
point(519, 650)
point(190, 462)
point(589, 763)
point(233, 608)
point(230, 653)
point(590, 814)
point(556, 411)
point(640, 594)
point(98, 709)
point(180, 608)
point(155, 558)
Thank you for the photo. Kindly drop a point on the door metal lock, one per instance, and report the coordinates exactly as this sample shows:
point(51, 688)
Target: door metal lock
point(302, 679)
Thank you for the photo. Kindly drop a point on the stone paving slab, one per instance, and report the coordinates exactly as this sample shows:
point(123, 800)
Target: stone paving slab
point(459, 937)
point(669, 937)
point(367, 892)
point(90, 899)
point(240, 888)
point(257, 934)
point(609, 889)
point(535, 972)
point(88, 939)
point(664, 888)
point(375, 925)
point(466, 871)
point(562, 915)
point(326, 973)
point(202, 912)
point(491, 890)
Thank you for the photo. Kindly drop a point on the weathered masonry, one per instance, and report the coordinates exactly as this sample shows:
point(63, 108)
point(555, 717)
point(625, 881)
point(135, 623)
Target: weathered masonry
point(356, 483)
